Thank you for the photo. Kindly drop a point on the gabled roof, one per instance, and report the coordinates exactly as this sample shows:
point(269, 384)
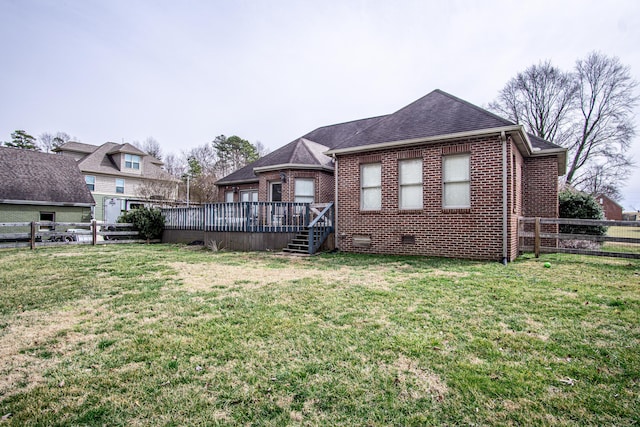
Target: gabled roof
point(33, 177)
point(98, 160)
point(77, 147)
point(128, 149)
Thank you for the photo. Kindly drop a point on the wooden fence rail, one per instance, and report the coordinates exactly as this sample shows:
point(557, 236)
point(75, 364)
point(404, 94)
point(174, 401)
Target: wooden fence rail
point(50, 233)
point(544, 235)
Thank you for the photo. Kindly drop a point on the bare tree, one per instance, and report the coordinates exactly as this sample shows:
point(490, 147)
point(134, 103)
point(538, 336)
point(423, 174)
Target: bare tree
point(588, 112)
point(157, 190)
point(150, 146)
point(603, 129)
point(541, 98)
point(173, 165)
point(49, 141)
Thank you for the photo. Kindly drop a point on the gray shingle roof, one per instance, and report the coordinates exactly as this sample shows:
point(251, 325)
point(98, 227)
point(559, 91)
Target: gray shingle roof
point(308, 149)
point(32, 176)
point(99, 161)
point(435, 114)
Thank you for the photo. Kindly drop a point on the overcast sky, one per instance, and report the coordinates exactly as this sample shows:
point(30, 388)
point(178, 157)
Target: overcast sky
point(184, 72)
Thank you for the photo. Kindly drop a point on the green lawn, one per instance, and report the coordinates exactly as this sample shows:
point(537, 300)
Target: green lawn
point(168, 335)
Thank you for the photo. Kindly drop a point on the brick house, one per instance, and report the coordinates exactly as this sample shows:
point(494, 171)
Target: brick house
point(610, 208)
point(439, 177)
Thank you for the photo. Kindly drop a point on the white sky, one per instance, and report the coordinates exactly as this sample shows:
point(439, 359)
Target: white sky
point(186, 71)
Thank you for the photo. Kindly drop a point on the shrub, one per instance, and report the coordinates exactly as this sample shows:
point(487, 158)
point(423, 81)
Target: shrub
point(148, 221)
point(574, 204)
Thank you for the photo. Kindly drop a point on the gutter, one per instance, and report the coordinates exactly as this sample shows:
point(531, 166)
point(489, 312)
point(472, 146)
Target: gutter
point(505, 198)
point(45, 203)
point(336, 241)
point(434, 139)
point(291, 166)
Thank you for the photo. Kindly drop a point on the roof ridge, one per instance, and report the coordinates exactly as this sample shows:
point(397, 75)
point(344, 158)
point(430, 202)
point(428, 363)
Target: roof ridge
point(477, 108)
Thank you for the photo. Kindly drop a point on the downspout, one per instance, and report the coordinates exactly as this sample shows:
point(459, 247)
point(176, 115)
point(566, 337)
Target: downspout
point(335, 202)
point(505, 211)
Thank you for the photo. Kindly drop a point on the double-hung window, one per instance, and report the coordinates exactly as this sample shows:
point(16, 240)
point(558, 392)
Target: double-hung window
point(410, 182)
point(91, 182)
point(119, 185)
point(132, 161)
point(456, 181)
point(371, 187)
point(304, 190)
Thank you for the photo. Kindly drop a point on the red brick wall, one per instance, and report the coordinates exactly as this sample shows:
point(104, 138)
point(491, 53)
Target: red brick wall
point(238, 188)
point(541, 187)
point(541, 193)
point(323, 184)
point(516, 197)
point(474, 233)
point(612, 211)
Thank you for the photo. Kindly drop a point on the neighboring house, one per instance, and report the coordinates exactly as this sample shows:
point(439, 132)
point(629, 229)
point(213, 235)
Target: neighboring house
point(439, 177)
point(610, 208)
point(120, 177)
point(37, 186)
point(631, 216)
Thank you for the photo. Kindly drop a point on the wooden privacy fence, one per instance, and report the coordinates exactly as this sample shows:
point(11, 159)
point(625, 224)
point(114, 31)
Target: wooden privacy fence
point(579, 236)
point(50, 233)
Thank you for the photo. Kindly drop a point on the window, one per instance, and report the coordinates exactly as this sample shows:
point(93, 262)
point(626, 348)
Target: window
point(276, 191)
point(91, 182)
point(119, 185)
point(249, 196)
point(131, 161)
point(371, 187)
point(410, 181)
point(228, 197)
point(304, 191)
point(456, 181)
point(47, 216)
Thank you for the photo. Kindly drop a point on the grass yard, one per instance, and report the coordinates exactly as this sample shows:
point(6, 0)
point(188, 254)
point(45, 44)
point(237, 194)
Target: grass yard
point(167, 335)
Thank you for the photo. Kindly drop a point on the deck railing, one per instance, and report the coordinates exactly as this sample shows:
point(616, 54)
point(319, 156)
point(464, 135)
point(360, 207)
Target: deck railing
point(320, 227)
point(277, 217)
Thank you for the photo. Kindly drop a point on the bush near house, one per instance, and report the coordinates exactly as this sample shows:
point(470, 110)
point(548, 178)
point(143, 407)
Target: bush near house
point(575, 204)
point(148, 221)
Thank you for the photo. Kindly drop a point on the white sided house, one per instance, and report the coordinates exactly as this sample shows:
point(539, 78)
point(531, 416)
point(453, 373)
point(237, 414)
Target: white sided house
point(121, 177)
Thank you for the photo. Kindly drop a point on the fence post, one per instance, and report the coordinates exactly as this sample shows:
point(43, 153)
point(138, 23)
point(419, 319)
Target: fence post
point(94, 232)
point(536, 239)
point(33, 235)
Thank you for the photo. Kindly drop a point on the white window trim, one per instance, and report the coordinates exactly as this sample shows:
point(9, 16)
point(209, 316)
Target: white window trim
point(132, 163)
point(370, 187)
point(93, 183)
point(459, 181)
point(313, 192)
point(117, 186)
point(416, 184)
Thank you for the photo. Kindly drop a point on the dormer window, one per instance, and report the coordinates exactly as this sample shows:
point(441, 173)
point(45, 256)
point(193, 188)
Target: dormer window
point(132, 161)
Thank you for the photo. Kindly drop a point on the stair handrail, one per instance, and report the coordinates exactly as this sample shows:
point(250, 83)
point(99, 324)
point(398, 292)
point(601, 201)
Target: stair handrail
point(316, 241)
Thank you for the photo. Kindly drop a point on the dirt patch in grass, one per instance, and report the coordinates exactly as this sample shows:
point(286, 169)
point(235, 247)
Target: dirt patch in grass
point(415, 382)
point(210, 276)
point(34, 342)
